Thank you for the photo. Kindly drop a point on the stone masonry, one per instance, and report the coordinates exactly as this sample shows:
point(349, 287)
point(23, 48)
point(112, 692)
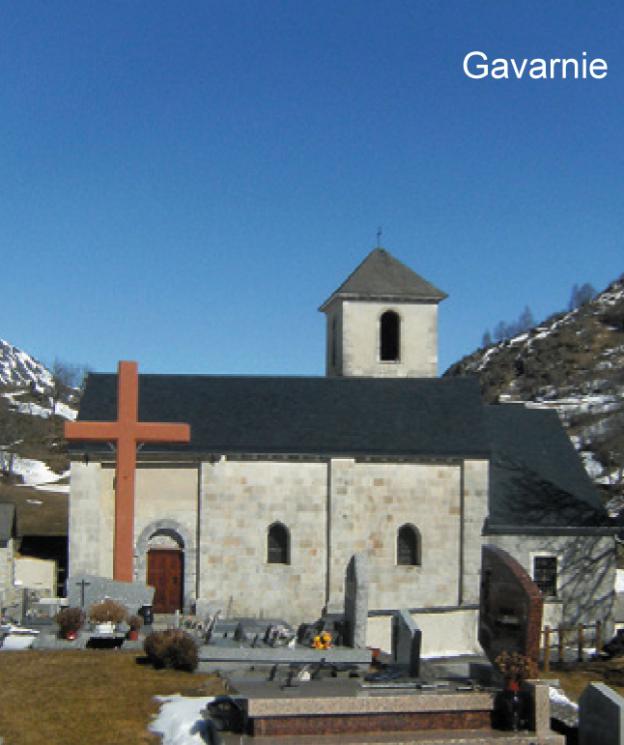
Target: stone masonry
point(357, 347)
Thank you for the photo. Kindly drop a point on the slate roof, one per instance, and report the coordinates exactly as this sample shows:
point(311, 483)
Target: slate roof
point(536, 478)
point(381, 276)
point(7, 522)
point(312, 416)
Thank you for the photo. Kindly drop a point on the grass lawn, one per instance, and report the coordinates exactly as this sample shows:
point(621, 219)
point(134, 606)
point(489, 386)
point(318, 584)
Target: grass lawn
point(90, 697)
point(574, 678)
point(105, 697)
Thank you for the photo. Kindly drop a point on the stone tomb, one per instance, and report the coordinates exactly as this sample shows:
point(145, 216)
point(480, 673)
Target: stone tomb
point(83, 590)
point(510, 610)
point(341, 711)
point(342, 706)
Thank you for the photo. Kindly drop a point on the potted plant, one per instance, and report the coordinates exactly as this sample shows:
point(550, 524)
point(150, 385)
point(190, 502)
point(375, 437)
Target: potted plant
point(135, 622)
point(515, 668)
point(106, 615)
point(70, 621)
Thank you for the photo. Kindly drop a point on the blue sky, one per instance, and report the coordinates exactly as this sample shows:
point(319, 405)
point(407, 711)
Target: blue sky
point(184, 183)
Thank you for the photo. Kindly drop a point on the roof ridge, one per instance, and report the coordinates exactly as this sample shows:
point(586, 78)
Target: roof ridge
point(380, 275)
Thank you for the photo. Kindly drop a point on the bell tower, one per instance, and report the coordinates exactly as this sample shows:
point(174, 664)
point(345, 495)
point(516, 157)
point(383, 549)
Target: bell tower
point(382, 322)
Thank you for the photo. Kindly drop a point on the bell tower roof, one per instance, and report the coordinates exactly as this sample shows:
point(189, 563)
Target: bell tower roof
point(382, 277)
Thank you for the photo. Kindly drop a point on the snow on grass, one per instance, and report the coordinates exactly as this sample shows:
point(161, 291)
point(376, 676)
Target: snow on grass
point(619, 580)
point(56, 488)
point(45, 412)
point(558, 697)
point(180, 721)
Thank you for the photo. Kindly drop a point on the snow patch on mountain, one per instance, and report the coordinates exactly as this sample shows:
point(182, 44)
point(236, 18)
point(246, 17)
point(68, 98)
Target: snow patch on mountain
point(35, 472)
point(18, 369)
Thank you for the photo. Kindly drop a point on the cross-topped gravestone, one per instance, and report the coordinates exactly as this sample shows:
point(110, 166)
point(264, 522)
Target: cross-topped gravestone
point(126, 431)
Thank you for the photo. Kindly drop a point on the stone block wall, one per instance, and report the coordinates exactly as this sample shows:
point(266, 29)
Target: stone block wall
point(368, 504)
point(361, 339)
point(166, 499)
point(91, 519)
point(475, 510)
point(239, 501)
point(166, 506)
point(220, 512)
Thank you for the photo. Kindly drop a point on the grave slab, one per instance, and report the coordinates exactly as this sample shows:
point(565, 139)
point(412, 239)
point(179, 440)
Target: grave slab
point(356, 600)
point(601, 716)
point(406, 642)
point(213, 656)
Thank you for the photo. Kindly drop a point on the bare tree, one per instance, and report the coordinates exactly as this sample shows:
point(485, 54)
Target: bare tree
point(66, 378)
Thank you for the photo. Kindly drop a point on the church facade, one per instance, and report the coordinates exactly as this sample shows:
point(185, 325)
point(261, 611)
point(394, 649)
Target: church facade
point(286, 478)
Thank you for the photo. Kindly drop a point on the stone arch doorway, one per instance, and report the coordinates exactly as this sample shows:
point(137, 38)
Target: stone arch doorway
point(165, 571)
point(164, 559)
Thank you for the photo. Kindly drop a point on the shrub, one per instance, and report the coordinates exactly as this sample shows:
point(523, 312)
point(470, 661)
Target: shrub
point(107, 610)
point(70, 620)
point(135, 622)
point(172, 648)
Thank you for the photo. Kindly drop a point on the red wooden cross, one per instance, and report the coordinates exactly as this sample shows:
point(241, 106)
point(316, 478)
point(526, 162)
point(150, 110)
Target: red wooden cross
point(126, 431)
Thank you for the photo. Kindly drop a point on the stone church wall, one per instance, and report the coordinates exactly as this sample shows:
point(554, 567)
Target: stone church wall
point(91, 519)
point(161, 492)
point(239, 501)
point(475, 510)
point(418, 340)
point(166, 516)
point(368, 504)
point(585, 571)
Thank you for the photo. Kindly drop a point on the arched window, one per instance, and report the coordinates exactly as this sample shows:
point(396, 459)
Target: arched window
point(278, 544)
point(390, 333)
point(408, 546)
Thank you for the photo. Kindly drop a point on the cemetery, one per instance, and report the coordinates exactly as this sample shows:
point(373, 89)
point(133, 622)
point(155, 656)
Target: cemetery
point(320, 681)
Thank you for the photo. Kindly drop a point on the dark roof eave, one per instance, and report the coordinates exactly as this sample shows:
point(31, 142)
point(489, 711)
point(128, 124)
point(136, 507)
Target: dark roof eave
point(382, 297)
point(551, 530)
point(98, 453)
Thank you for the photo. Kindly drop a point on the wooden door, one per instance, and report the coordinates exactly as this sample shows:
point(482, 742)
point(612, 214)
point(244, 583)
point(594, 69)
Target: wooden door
point(164, 572)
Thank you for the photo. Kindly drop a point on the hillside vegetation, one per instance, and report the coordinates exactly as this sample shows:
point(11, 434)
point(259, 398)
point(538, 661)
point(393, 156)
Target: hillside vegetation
point(572, 362)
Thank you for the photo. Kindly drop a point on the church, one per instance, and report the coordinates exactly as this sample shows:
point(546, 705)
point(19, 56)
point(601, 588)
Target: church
point(286, 478)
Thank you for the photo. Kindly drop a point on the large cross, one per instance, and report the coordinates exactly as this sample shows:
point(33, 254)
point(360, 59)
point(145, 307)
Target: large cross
point(126, 431)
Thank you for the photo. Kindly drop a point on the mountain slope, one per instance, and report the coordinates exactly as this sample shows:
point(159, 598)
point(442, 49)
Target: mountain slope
point(573, 362)
point(20, 370)
point(34, 402)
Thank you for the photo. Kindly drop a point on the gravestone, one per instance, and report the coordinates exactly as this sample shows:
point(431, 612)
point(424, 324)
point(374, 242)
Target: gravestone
point(510, 607)
point(356, 601)
point(406, 642)
point(601, 716)
point(83, 590)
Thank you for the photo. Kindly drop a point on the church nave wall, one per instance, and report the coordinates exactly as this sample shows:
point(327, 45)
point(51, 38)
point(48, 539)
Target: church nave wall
point(239, 501)
point(91, 519)
point(369, 503)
